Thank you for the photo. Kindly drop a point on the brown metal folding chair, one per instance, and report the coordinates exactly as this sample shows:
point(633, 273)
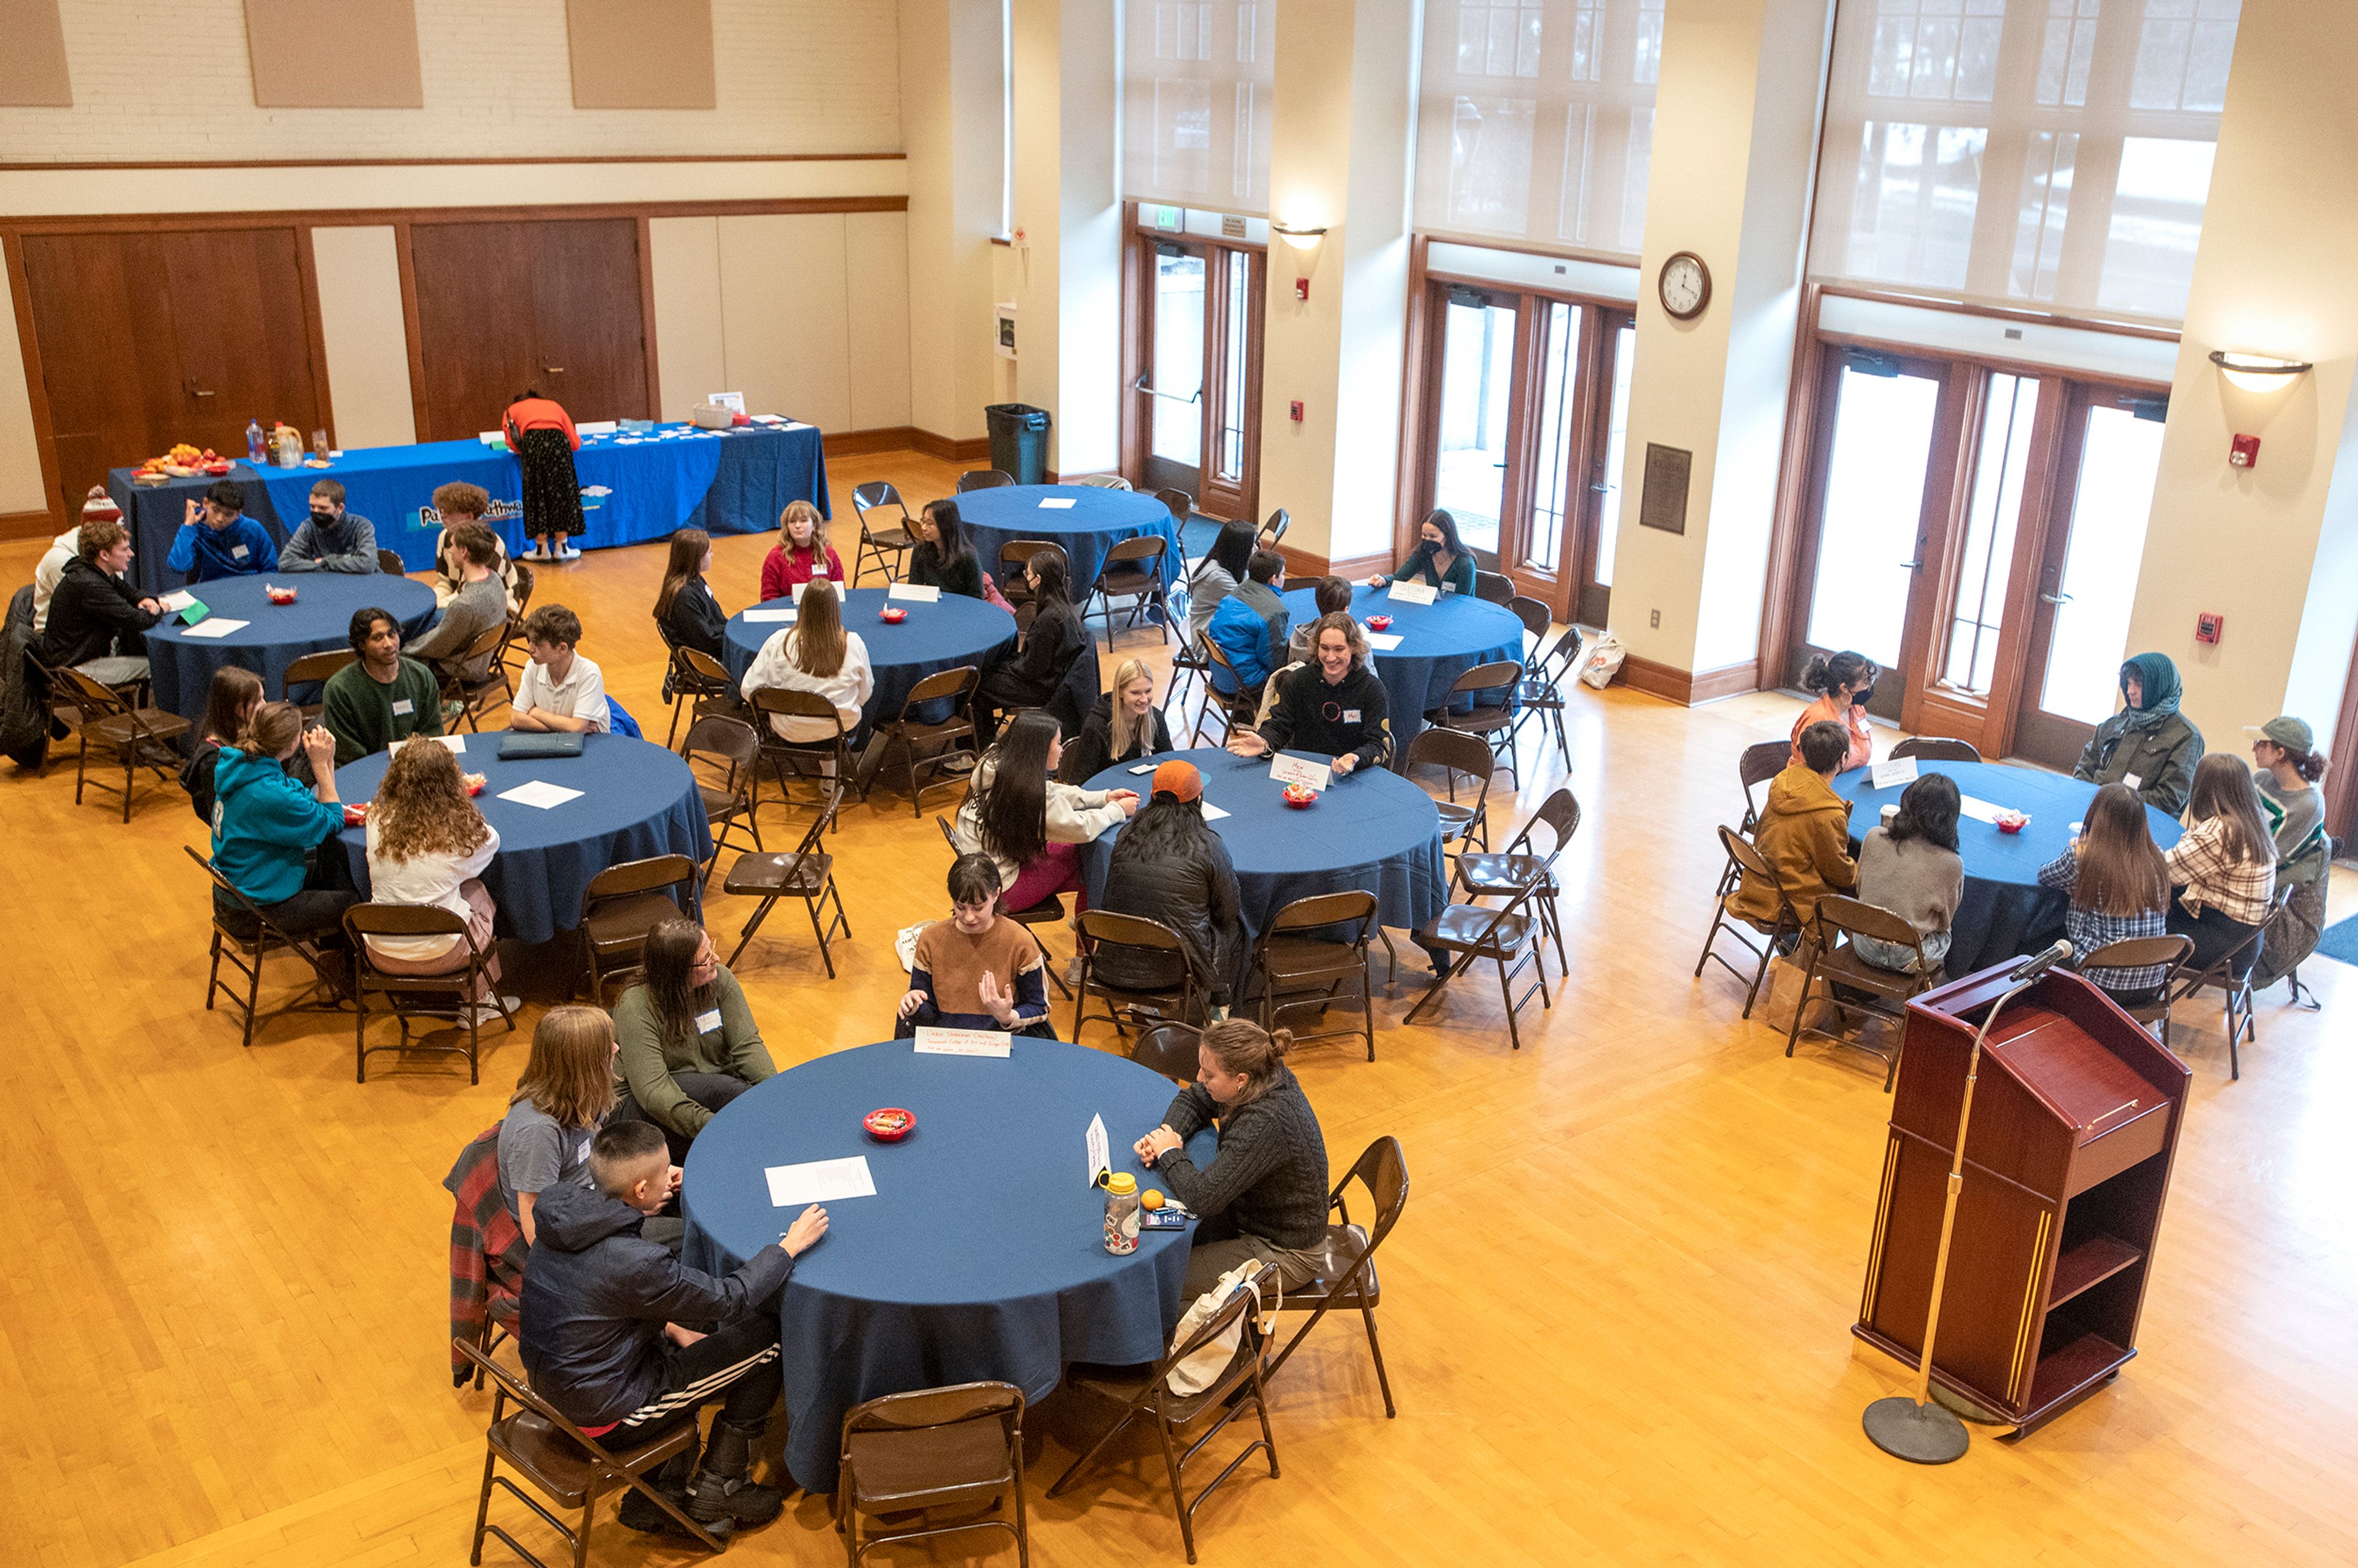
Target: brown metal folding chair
point(245, 954)
point(139, 736)
point(1487, 875)
point(800, 759)
point(697, 682)
point(1133, 570)
point(1850, 977)
point(881, 539)
point(983, 478)
point(1454, 752)
point(1493, 588)
point(1755, 766)
point(446, 998)
point(953, 1450)
point(1494, 720)
point(717, 742)
point(621, 906)
point(2231, 975)
point(1310, 952)
point(928, 747)
point(313, 669)
point(1744, 861)
point(1347, 1271)
point(1505, 935)
point(1937, 748)
point(1169, 1049)
point(1180, 1000)
point(806, 874)
point(2167, 953)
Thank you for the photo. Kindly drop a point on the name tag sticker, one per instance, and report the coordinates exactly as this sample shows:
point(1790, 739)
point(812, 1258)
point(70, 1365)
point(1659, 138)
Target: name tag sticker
point(404, 708)
point(1350, 716)
point(707, 1021)
point(237, 552)
point(2133, 781)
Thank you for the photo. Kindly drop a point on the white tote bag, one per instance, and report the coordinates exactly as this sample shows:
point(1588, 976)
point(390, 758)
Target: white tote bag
point(1604, 662)
point(1202, 1368)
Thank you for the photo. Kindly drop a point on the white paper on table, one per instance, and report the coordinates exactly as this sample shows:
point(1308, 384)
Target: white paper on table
point(597, 427)
point(1979, 810)
point(819, 1181)
point(179, 599)
point(928, 595)
point(1883, 776)
point(540, 793)
point(798, 424)
point(1414, 592)
point(1212, 813)
point(1100, 1152)
point(1055, 503)
point(216, 626)
point(764, 617)
point(457, 744)
point(769, 418)
point(1383, 641)
point(1300, 771)
point(932, 1041)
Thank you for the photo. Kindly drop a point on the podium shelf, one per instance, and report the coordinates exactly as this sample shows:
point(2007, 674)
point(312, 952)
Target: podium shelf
point(2090, 1263)
point(2082, 1361)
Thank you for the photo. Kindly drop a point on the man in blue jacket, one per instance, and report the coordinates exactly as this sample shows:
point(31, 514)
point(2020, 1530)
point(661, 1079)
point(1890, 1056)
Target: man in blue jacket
point(605, 1337)
point(1251, 624)
point(218, 539)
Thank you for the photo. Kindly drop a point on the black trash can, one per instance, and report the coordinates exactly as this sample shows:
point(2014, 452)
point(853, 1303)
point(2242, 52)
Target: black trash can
point(1018, 440)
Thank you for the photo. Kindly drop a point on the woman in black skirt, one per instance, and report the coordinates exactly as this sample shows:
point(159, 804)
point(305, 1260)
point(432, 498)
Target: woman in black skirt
point(542, 435)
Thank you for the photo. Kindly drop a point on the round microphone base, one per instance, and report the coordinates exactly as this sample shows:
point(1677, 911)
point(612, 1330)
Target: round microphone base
point(1922, 1435)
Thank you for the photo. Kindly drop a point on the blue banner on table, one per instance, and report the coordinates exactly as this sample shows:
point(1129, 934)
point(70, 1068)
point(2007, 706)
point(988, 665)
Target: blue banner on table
point(1439, 642)
point(635, 486)
point(181, 666)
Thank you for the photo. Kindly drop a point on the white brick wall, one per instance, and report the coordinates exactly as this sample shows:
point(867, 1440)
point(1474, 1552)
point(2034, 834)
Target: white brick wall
point(171, 82)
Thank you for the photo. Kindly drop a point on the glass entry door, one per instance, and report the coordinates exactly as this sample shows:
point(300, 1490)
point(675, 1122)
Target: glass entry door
point(1173, 384)
point(1477, 397)
point(1196, 425)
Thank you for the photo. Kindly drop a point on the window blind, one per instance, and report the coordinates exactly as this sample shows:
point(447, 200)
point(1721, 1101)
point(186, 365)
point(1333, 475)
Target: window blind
point(1535, 120)
point(2054, 152)
point(1198, 78)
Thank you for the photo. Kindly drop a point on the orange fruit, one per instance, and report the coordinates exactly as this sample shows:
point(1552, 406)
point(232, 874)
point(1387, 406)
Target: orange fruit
point(1150, 1198)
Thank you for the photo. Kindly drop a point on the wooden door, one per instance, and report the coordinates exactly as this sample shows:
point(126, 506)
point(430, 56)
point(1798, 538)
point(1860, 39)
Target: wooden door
point(590, 342)
point(244, 344)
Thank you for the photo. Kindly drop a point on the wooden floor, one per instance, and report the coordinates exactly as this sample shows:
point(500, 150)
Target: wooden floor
point(1616, 1311)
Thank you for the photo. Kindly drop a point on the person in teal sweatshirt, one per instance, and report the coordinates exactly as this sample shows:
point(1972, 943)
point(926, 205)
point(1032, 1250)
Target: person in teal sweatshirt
point(218, 539)
point(266, 826)
point(1439, 560)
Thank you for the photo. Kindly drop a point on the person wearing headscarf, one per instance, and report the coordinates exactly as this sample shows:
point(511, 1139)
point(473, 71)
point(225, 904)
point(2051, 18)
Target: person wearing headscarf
point(2148, 745)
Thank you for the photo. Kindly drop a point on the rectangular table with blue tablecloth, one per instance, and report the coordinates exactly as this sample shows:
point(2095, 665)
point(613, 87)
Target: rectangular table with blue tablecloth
point(635, 485)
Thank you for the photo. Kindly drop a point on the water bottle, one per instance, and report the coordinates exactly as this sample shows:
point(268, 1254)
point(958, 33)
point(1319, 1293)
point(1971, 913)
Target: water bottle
point(1121, 1214)
point(254, 441)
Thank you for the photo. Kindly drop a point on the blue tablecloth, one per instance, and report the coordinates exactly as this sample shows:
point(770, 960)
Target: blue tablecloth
point(638, 800)
point(953, 631)
point(319, 619)
point(2004, 911)
point(1095, 522)
point(1439, 642)
point(1373, 830)
point(981, 1254)
point(634, 486)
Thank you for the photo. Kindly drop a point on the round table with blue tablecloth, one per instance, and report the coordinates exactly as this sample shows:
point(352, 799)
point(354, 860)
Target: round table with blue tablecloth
point(953, 629)
point(275, 635)
point(2004, 911)
point(1439, 642)
point(1372, 830)
point(981, 1253)
point(637, 801)
point(1094, 524)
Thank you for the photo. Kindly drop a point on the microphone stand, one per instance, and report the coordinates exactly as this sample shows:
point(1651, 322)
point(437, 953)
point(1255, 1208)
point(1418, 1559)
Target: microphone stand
point(1910, 1427)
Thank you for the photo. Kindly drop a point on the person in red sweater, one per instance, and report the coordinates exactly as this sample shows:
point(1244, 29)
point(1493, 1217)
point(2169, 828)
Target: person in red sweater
point(801, 552)
point(541, 433)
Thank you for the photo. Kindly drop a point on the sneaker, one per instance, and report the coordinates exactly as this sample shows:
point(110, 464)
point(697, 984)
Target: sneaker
point(489, 1012)
point(537, 553)
point(570, 552)
point(1073, 970)
point(736, 1500)
point(961, 764)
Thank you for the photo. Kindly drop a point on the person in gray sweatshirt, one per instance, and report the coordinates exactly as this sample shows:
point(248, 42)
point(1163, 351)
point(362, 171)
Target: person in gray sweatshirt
point(482, 605)
point(1911, 867)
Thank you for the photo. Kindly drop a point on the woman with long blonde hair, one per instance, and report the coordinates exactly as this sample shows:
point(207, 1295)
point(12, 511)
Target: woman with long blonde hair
point(1124, 725)
point(814, 654)
point(802, 554)
point(427, 845)
point(565, 1094)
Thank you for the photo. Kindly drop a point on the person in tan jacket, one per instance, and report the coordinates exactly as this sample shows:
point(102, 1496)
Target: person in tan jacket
point(1804, 832)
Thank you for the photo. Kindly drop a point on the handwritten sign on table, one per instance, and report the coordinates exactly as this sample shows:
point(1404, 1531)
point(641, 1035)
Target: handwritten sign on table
point(911, 591)
point(763, 617)
point(1414, 592)
point(1100, 1152)
point(932, 1041)
point(819, 1181)
point(1300, 771)
point(1883, 776)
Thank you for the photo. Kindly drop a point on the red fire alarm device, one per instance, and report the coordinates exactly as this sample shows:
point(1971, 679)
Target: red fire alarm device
point(1301, 288)
point(2207, 627)
point(1297, 411)
point(2244, 453)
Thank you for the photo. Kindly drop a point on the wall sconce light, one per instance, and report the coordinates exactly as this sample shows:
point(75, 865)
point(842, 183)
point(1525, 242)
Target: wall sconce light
point(1299, 239)
point(2258, 373)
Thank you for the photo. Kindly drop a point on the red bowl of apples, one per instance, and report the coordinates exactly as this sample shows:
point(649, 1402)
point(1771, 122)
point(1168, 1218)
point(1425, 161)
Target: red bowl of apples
point(1379, 623)
point(218, 467)
point(279, 594)
point(893, 614)
point(1300, 797)
point(889, 1125)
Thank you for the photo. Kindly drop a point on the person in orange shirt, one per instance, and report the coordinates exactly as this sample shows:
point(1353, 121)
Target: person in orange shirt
point(1844, 682)
point(541, 433)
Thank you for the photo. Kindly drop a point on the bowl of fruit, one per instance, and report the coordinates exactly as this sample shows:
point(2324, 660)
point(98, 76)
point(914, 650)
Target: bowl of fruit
point(1300, 797)
point(278, 593)
point(892, 615)
point(889, 1125)
point(474, 783)
point(1379, 623)
point(355, 812)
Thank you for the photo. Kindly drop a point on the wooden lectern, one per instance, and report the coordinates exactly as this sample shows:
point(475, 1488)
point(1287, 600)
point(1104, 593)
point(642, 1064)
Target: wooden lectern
point(2068, 1156)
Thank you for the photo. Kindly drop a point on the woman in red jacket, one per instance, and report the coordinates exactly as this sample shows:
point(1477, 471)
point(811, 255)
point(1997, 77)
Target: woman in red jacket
point(542, 435)
point(801, 552)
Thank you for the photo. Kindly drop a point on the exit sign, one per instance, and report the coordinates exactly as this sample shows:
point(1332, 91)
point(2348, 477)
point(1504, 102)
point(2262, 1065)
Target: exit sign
point(1165, 217)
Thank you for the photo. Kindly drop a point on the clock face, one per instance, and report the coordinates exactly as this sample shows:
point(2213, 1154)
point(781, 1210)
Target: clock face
point(1685, 285)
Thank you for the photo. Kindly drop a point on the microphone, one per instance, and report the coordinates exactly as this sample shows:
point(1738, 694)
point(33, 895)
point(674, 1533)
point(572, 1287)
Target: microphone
point(2038, 963)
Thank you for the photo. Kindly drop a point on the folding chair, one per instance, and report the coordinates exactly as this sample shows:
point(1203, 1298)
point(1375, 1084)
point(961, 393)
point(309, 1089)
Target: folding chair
point(1181, 506)
point(983, 478)
point(934, 1451)
point(1936, 748)
point(940, 741)
point(2165, 953)
point(570, 1467)
point(1189, 661)
point(473, 694)
point(2231, 973)
point(784, 755)
point(486, 1255)
point(1049, 911)
point(695, 679)
point(1274, 529)
point(1744, 861)
point(1236, 710)
point(883, 541)
point(1474, 930)
point(1493, 588)
point(1838, 962)
point(1346, 1273)
point(1454, 752)
point(621, 906)
point(1132, 931)
point(1151, 1397)
point(1493, 722)
point(1755, 765)
point(806, 874)
point(1169, 1049)
point(1133, 570)
point(717, 741)
point(1304, 965)
point(139, 736)
point(1541, 694)
point(390, 563)
point(1485, 875)
point(407, 996)
point(1014, 557)
point(1102, 481)
point(313, 669)
point(245, 955)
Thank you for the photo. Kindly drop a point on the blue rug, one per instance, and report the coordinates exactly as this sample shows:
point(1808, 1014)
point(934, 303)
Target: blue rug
point(1196, 536)
point(2340, 942)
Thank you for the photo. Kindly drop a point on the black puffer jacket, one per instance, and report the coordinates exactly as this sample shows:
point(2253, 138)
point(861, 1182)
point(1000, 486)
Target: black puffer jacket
point(1193, 891)
point(597, 1295)
point(1090, 752)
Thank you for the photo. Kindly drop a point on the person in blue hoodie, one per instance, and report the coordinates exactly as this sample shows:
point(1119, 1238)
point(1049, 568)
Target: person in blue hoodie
point(1251, 624)
point(605, 1336)
point(267, 825)
point(218, 539)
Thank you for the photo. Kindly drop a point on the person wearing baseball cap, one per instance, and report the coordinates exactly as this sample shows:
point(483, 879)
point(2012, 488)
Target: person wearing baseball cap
point(1169, 865)
point(2289, 764)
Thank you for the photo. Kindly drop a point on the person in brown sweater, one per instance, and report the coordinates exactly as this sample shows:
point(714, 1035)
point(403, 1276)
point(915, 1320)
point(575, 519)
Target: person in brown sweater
point(1804, 832)
point(977, 969)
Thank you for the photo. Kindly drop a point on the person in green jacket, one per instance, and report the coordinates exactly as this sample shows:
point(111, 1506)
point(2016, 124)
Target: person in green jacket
point(2148, 745)
point(382, 697)
point(1439, 560)
point(688, 1042)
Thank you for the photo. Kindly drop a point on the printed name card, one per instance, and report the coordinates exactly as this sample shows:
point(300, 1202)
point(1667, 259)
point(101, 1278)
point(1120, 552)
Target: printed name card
point(1212, 813)
point(1300, 771)
point(1413, 592)
point(767, 617)
point(1883, 776)
point(914, 594)
point(932, 1041)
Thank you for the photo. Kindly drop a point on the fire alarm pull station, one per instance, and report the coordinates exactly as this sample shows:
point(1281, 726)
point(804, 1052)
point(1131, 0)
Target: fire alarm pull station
point(1297, 411)
point(2207, 627)
point(2244, 453)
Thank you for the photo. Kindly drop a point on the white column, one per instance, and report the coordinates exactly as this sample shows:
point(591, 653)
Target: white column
point(952, 130)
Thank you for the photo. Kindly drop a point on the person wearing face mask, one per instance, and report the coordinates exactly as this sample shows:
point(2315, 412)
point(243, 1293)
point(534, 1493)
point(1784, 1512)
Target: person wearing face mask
point(97, 624)
point(1123, 725)
point(1440, 560)
point(217, 539)
point(1844, 682)
point(333, 540)
point(2148, 745)
point(1334, 707)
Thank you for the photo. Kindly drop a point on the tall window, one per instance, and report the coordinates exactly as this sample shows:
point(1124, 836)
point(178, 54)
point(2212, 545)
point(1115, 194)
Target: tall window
point(1197, 94)
point(1537, 120)
point(2055, 152)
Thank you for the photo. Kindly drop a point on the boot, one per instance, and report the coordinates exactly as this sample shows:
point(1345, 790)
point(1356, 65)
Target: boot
point(638, 1513)
point(722, 1490)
